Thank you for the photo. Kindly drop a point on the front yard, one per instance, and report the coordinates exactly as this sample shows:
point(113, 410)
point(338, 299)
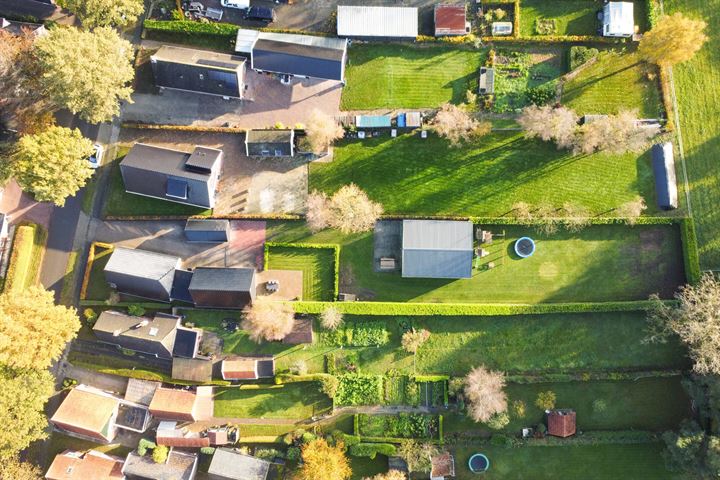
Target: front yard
point(296, 401)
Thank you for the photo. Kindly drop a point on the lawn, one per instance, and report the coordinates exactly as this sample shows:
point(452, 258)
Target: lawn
point(409, 175)
point(407, 76)
point(317, 266)
point(97, 287)
point(589, 462)
point(296, 401)
point(567, 267)
point(572, 17)
point(615, 82)
point(698, 90)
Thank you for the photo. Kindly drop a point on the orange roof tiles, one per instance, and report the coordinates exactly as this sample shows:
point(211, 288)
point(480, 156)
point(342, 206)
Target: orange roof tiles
point(89, 466)
point(173, 404)
point(561, 423)
point(86, 410)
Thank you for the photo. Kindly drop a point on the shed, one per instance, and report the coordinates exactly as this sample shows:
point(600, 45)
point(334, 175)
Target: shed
point(231, 465)
point(207, 230)
point(378, 22)
point(561, 423)
point(502, 29)
point(220, 287)
point(270, 143)
point(450, 20)
point(486, 82)
point(618, 19)
point(373, 121)
point(437, 249)
point(665, 181)
point(142, 273)
point(178, 466)
point(248, 368)
point(192, 369)
point(442, 466)
point(140, 391)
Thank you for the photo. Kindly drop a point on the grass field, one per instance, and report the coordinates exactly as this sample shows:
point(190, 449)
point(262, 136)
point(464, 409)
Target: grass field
point(406, 76)
point(615, 82)
point(408, 175)
point(567, 267)
point(698, 89)
point(317, 266)
point(572, 17)
point(294, 401)
point(594, 462)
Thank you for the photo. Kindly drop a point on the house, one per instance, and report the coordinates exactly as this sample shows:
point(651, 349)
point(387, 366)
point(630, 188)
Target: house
point(230, 465)
point(450, 20)
point(18, 28)
point(377, 22)
point(209, 230)
point(665, 181)
point(618, 20)
point(140, 391)
point(141, 273)
point(270, 143)
point(437, 249)
point(169, 435)
point(302, 332)
point(182, 405)
point(173, 175)
point(91, 465)
point(219, 287)
point(199, 71)
point(443, 466)
point(292, 55)
point(561, 423)
point(192, 369)
point(151, 336)
point(187, 342)
point(179, 466)
point(247, 368)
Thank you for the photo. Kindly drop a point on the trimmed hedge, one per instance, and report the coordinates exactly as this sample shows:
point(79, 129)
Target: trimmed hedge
point(332, 246)
point(600, 437)
point(283, 378)
point(592, 376)
point(220, 35)
point(431, 378)
point(371, 450)
point(27, 251)
point(652, 10)
point(691, 257)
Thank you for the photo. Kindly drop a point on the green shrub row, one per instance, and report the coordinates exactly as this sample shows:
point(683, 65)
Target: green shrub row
point(691, 257)
point(189, 27)
point(652, 10)
point(431, 378)
point(366, 333)
point(282, 378)
point(370, 450)
point(332, 246)
point(592, 376)
point(358, 389)
point(595, 438)
point(22, 267)
point(555, 39)
point(519, 221)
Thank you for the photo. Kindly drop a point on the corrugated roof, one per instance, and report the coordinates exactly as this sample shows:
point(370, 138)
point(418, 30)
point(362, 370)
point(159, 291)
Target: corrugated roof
point(140, 391)
point(437, 249)
point(221, 279)
point(239, 369)
point(179, 466)
point(141, 263)
point(86, 408)
point(361, 21)
point(207, 224)
point(236, 466)
point(245, 39)
point(192, 369)
point(189, 56)
point(663, 162)
point(92, 465)
point(449, 19)
point(168, 161)
point(619, 17)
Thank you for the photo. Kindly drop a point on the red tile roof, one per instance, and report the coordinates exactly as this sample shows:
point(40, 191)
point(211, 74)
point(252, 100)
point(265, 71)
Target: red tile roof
point(173, 404)
point(443, 465)
point(239, 369)
point(86, 411)
point(450, 19)
point(561, 423)
point(89, 466)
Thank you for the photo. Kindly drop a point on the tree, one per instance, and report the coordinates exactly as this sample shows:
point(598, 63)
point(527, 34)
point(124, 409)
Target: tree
point(546, 400)
point(389, 475)
point(264, 320)
point(632, 210)
point(523, 212)
point(675, 39)
point(615, 134)
point(684, 449)
point(106, 13)
point(320, 460)
point(86, 72)
point(548, 219)
point(484, 391)
point(23, 395)
point(318, 213)
point(322, 130)
point(499, 421)
point(348, 210)
point(576, 216)
point(33, 330)
point(550, 124)
point(14, 469)
point(160, 454)
point(331, 318)
point(417, 455)
point(456, 124)
point(694, 320)
point(413, 339)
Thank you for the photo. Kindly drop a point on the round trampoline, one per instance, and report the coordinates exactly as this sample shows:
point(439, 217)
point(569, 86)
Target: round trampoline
point(478, 463)
point(525, 247)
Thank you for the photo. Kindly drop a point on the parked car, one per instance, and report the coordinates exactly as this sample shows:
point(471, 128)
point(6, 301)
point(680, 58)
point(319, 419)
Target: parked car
point(213, 14)
point(240, 4)
point(97, 155)
point(195, 7)
point(261, 14)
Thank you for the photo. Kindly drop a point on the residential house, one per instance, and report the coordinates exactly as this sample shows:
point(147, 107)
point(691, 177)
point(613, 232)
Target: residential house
point(169, 435)
point(247, 368)
point(437, 249)
point(443, 466)
point(450, 20)
point(377, 22)
point(230, 465)
point(182, 405)
point(209, 230)
point(618, 19)
point(173, 175)
point(199, 71)
point(141, 273)
point(140, 391)
point(270, 143)
point(90, 465)
point(219, 287)
point(561, 423)
point(663, 162)
point(19, 28)
point(152, 336)
point(179, 466)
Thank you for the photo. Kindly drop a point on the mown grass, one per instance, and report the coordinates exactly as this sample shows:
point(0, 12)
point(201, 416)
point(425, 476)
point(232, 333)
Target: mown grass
point(26, 257)
point(295, 401)
point(617, 81)
point(572, 17)
point(316, 265)
point(698, 89)
point(409, 175)
point(97, 287)
point(407, 76)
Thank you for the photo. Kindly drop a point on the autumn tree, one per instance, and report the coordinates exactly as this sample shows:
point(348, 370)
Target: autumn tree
point(632, 210)
point(106, 13)
point(413, 339)
point(615, 134)
point(576, 216)
point(320, 460)
point(484, 393)
point(318, 213)
point(348, 210)
point(331, 318)
point(87, 72)
point(322, 130)
point(547, 217)
point(160, 454)
point(457, 125)
point(53, 164)
point(33, 330)
point(271, 321)
point(550, 124)
point(14, 469)
point(417, 455)
point(523, 212)
point(674, 39)
point(23, 395)
point(546, 400)
point(389, 475)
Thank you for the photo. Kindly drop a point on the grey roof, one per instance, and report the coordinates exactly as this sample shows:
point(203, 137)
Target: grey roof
point(663, 162)
point(222, 279)
point(192, 369)
point(207, 224)
point(18, 28)
point(270, 143)
point(236, 466)
point(437, 249)
point(186, 342)
point(141, 263)
point(168, 161)
point(269, 136)
point(150, 335)
point(181, 282)
point(179, 466)
point(140, 391)
point(364, 21)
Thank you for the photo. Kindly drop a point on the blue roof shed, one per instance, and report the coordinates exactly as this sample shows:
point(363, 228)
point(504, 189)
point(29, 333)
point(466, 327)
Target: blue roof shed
point(373, 121)
point(665, 181)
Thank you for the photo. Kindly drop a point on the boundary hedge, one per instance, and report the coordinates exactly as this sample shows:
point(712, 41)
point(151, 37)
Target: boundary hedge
point(88, 267)
point(28, 249)
point(618, 375)
point(336, 258)
point(691, 256)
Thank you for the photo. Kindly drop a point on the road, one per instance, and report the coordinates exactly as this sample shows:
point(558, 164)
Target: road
point(37, 9)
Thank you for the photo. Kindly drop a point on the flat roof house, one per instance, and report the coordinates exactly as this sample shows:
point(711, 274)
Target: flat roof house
point(182, 405)
point(91, 465)
point(294, 55)
point(663, 162)
point(247, 368)
point(377, 22)
point(173, 175)
point(450, 20)
point(208, 230)
point(142, 273)
point(618, 19)
point(199, 71)
point(270, 143)
point(220, 287)
point(152, 336)
point(437, 249)
point(231, 465)
point(178, 466)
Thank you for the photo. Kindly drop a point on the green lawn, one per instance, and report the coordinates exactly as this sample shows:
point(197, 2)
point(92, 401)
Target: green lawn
point(572, 17)
point(97, 287)
point(407, 76)
point(593, 462)
point(409, 175)
point(698, 90)
point(363, 467)
point(295, 401)
point(317, 266)
point(617, 81)
point(601, 263)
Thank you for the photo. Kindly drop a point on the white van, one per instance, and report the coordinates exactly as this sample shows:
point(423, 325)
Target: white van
point(241, 4)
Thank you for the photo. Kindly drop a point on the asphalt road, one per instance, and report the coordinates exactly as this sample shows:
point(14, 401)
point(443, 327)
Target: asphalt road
point(37, 9)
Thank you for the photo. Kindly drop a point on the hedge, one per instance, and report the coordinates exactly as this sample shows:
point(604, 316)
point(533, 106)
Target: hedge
point(185, 31)
point(25, 258)
point(691, 257)
point(88, 267)
point(332, 246)
point(431, 378)
point(619, 375)
point(652, 9)
point(372, 449)
point(593, 438)
point(554, 39)
point(283, 378)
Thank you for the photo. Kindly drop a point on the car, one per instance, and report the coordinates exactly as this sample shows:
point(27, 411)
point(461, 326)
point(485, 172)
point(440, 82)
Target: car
point(240, 4)
point(96, 157)
point(261, 14)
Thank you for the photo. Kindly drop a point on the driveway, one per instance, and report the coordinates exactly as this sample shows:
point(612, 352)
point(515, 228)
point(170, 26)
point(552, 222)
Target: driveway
point(20, 206)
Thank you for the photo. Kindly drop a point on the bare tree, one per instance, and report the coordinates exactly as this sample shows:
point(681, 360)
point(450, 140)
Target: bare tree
point(632, 210)
point(615, 134)
point(523, 212)
point(484, 391)
point(413, 339)
point(322, 130)
point(348, 210)
point(550, 124)
point(456, 124)
point(548, 219)
point(331, 318)
point(318, 213)
point(576, 216)
point(264, 320)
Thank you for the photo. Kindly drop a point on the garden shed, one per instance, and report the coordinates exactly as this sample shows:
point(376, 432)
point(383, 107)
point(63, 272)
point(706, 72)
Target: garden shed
point(437, 249)
point(207, 230)
point(486, 82)
point(561, 423)
point(377, 22)
point(618, 19)
point(665, 180)
point(373, 121)
point(220, 287)
point(270, 143)
point(450, 20)
point(142, 273)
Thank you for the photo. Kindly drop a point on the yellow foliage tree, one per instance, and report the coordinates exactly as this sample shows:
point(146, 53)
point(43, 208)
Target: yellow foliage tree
point(675, 39)
point(321, 460)
point(14, 469)
point(23, 395)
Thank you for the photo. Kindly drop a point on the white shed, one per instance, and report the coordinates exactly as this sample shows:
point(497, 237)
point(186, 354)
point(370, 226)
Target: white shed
point(618, 19)
point(382, 22)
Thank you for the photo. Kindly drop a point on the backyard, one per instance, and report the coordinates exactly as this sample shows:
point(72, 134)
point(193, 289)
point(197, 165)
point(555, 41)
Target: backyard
point(97, 286)
point(317, 266)
point(572, 17)
point(295, 401)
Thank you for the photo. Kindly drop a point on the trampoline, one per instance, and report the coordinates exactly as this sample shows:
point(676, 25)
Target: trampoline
point(525, 247)
point(478, 463)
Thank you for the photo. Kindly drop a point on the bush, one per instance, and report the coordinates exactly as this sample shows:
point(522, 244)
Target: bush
point(545, 26)
point(546, 400)
point(542, 94)
point(308, 437)
point(581, 55)
point(136, 310)
point(372, 449)
point(160, 454)
point(599, 406)
point(499, 421)
point(144, 445)
point(69, 382)
point(267, 453)
point(90, 316)
point(207, 450)
point(358, 334)
point(355, 389)
point(329, 386)
point(293, 454)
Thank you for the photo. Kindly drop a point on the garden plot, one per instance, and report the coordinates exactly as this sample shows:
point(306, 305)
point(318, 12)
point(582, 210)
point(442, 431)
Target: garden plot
point(295, 401)
point(316, 265)
point(567, 17)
